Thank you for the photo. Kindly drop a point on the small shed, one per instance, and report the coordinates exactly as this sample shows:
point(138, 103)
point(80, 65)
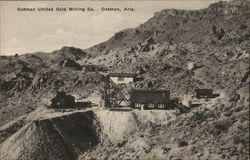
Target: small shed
point(119, 78)
point(63, 100)
point(150, 99)
point(94, 68)
point(203, 93)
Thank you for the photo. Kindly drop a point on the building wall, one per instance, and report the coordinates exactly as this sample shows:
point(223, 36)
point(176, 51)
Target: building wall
point(94, 69)
point(150, 106)
point(119, 80)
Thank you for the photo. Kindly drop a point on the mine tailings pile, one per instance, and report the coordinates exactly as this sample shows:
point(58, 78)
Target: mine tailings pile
point(68, 136)
point(55, 138)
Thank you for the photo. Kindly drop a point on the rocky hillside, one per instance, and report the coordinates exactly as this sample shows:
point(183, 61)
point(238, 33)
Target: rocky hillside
point(215, 39)
point(222, 23)
point(26, 80)
point(211, 131)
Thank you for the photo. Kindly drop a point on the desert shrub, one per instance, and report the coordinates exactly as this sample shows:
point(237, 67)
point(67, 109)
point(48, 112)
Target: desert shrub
point(183, 143)
point(237, 140)
point(165, 149)
point(198, 116)
point(232, 95)
point(120, 144)
point(220, 127)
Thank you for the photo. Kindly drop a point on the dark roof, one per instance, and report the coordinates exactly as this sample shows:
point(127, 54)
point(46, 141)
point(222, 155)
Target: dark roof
point(92, 65)
point(208, 91)
point(122, 75)
point(150, 96)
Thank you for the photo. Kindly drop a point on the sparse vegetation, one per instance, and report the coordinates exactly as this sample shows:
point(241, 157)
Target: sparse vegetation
point(216, 39)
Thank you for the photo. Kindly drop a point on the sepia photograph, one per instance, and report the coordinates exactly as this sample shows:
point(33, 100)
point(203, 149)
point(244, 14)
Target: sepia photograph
point(124, 80)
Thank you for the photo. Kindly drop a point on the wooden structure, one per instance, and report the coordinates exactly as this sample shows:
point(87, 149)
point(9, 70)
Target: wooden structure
point(150, 99)
point(204, 93)
point(94, 68)
point(147, 99)
point(113, 96)
point(62, 100)
point(119, 78)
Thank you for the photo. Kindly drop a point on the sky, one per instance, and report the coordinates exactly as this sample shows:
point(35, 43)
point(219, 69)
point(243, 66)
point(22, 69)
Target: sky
point(31, 31)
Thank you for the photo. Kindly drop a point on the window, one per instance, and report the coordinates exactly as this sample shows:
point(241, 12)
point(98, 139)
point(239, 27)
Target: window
point(121, 78)
point(160, 105)
point(151, 105)
point(137, 105)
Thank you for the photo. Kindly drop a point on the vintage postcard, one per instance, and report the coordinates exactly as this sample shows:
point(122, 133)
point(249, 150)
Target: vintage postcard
point(124, 80)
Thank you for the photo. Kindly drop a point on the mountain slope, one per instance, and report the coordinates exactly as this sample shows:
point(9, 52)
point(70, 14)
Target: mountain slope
point(203, 26)
point(216, 40)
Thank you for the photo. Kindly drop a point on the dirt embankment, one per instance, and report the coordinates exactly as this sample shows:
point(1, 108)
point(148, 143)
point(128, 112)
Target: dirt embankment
point(118, 125)
point(54, 138)
point(206, 132)
point(66, 136)
point(214, 131)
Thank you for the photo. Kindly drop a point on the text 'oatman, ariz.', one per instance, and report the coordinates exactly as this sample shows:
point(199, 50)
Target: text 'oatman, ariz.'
point(118, 9)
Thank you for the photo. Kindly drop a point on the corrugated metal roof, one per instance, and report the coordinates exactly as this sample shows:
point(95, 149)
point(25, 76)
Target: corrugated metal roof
point(150, 96)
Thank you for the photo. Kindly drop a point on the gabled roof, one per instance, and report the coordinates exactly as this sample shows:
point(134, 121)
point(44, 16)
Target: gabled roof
point(122, 75)
point(150, 96)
